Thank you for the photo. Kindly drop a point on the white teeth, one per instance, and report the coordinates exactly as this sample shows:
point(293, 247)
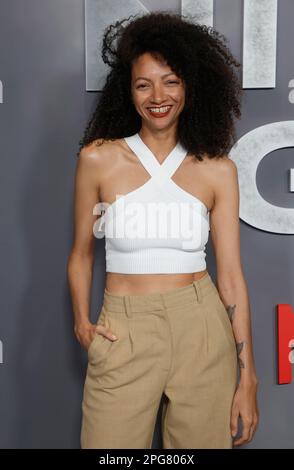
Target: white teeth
point(164, 109)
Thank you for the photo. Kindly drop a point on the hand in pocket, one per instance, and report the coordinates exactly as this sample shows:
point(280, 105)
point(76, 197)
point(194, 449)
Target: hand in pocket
point(86, 333)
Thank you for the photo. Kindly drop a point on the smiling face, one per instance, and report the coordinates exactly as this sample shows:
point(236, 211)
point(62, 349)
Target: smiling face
point(158, 93)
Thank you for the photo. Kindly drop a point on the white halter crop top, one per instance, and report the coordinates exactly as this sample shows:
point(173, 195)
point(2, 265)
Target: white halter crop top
point(159, 227)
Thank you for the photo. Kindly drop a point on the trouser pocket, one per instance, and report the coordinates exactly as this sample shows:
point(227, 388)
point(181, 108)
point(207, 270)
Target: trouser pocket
point(224, 318)
point(100, 345)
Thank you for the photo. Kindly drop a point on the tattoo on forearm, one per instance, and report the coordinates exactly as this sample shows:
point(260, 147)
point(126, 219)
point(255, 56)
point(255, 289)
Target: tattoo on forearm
point(231, 311)
point(239, 349)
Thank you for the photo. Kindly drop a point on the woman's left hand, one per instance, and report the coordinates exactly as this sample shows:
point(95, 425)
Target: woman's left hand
point(245, 405)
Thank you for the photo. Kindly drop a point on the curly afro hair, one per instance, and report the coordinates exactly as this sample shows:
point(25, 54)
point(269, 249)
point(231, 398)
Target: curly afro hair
point(197, 54)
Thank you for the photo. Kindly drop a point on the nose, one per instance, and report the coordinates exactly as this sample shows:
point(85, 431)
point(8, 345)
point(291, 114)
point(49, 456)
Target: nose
point(157, 95)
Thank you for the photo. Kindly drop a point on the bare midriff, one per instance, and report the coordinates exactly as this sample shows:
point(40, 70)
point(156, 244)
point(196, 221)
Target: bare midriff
point(134, 284)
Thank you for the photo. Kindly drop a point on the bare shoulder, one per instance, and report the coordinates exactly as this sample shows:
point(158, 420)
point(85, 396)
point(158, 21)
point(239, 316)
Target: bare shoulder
point(221, 169)
point(224, 165)
point(97, 150)
point(222, 177)
point(101, 153)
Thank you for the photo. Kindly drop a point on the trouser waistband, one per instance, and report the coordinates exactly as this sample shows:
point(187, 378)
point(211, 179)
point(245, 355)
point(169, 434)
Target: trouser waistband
point(149, 302)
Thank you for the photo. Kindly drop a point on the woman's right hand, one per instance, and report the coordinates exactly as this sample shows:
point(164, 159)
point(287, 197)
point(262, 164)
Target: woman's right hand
point(86, 332)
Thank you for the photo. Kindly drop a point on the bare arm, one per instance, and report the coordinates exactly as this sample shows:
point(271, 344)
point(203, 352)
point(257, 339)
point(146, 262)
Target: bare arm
point(80, 262)
point(232, 287)
point(225, 233)
point(81, 258)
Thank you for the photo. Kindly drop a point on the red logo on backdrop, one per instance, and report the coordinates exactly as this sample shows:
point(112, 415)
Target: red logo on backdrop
point(285, 343)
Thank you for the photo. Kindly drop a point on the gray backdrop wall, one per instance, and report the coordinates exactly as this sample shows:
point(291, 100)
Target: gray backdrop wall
point(45, 108)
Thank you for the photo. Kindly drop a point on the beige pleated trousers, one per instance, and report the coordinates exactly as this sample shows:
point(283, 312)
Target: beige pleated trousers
point(179, 343)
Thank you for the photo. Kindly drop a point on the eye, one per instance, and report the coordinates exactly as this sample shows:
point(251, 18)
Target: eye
point(141, 86)
point(173, 81)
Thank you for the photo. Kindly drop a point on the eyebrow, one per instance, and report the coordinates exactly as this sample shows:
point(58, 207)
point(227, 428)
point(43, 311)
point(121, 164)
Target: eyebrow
point(163, 76)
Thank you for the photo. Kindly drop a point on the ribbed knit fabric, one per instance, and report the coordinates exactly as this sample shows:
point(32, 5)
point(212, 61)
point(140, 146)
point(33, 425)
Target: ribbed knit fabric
point(159, 227)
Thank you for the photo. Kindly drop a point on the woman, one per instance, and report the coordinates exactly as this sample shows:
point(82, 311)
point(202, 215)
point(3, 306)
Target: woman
point(160, 134)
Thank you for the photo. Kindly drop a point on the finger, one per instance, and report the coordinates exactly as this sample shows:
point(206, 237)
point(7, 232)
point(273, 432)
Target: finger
point(251, 433)
point(234, 422)
point(252, 430)
point(239, 441)
point(107, 333)
point(245, 435)
point(112, 336)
